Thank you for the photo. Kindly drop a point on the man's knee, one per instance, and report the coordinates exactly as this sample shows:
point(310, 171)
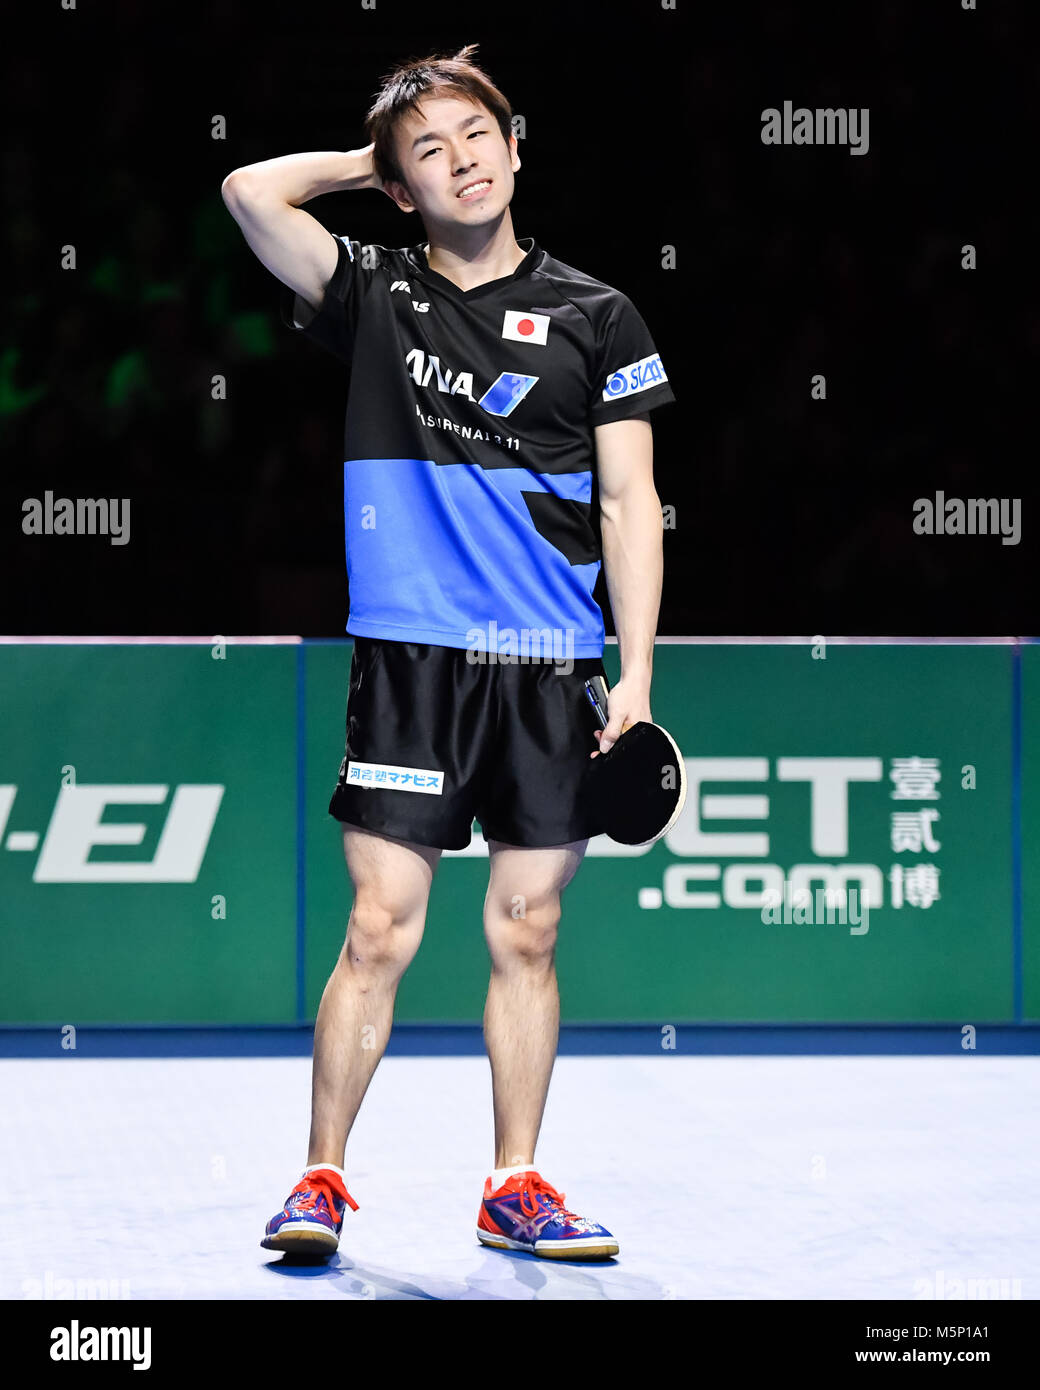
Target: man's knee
point(382, 934)
point(522, 932)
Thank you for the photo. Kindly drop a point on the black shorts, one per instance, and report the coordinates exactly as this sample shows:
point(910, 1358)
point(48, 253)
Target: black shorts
point(436, 738)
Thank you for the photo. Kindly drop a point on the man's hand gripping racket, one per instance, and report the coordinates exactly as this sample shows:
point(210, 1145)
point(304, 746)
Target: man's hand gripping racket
point(637, 787)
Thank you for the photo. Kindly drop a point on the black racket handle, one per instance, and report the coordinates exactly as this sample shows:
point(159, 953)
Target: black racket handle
point(596, 691)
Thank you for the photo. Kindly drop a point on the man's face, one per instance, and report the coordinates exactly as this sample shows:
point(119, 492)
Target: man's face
point(452, 144)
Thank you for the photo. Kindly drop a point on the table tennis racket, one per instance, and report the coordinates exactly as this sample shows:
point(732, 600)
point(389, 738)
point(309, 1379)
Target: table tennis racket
point(638, 787)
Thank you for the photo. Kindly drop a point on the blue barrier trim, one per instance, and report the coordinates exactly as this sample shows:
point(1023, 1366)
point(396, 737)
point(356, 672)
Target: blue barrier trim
point(576, 1040)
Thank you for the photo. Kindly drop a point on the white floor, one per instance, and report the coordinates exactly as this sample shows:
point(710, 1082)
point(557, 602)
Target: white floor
point(722, 1178)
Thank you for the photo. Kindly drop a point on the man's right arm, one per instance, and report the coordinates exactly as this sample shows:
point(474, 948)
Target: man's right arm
point(264, 200)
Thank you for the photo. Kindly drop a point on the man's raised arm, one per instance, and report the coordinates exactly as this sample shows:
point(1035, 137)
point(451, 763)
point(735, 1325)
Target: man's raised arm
point(264, 200)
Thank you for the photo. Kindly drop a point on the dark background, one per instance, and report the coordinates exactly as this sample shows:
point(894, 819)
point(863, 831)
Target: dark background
point(643, 130)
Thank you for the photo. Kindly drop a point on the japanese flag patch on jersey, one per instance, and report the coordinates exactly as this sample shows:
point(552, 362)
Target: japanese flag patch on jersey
point(525, 328)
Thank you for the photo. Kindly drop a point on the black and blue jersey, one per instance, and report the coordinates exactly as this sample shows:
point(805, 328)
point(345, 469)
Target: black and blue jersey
point(469, 451)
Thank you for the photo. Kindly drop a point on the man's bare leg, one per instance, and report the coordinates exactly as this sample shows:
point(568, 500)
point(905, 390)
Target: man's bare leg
point(391, 890)
point(522, 1013)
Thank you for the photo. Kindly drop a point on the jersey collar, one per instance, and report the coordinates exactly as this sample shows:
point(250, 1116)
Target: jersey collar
point(417, 256)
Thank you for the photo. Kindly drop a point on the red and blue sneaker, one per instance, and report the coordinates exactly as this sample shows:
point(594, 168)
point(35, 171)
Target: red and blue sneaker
point(312, 1218)
point(526, 1213)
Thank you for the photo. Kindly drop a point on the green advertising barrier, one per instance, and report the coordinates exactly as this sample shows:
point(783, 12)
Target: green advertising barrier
point(184, 761)
point(1029, 876)
point(874, 768)
point(155, 802)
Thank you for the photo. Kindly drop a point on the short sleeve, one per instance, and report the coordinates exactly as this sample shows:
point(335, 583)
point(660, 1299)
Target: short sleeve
point(332, 326)
point(629, 377)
